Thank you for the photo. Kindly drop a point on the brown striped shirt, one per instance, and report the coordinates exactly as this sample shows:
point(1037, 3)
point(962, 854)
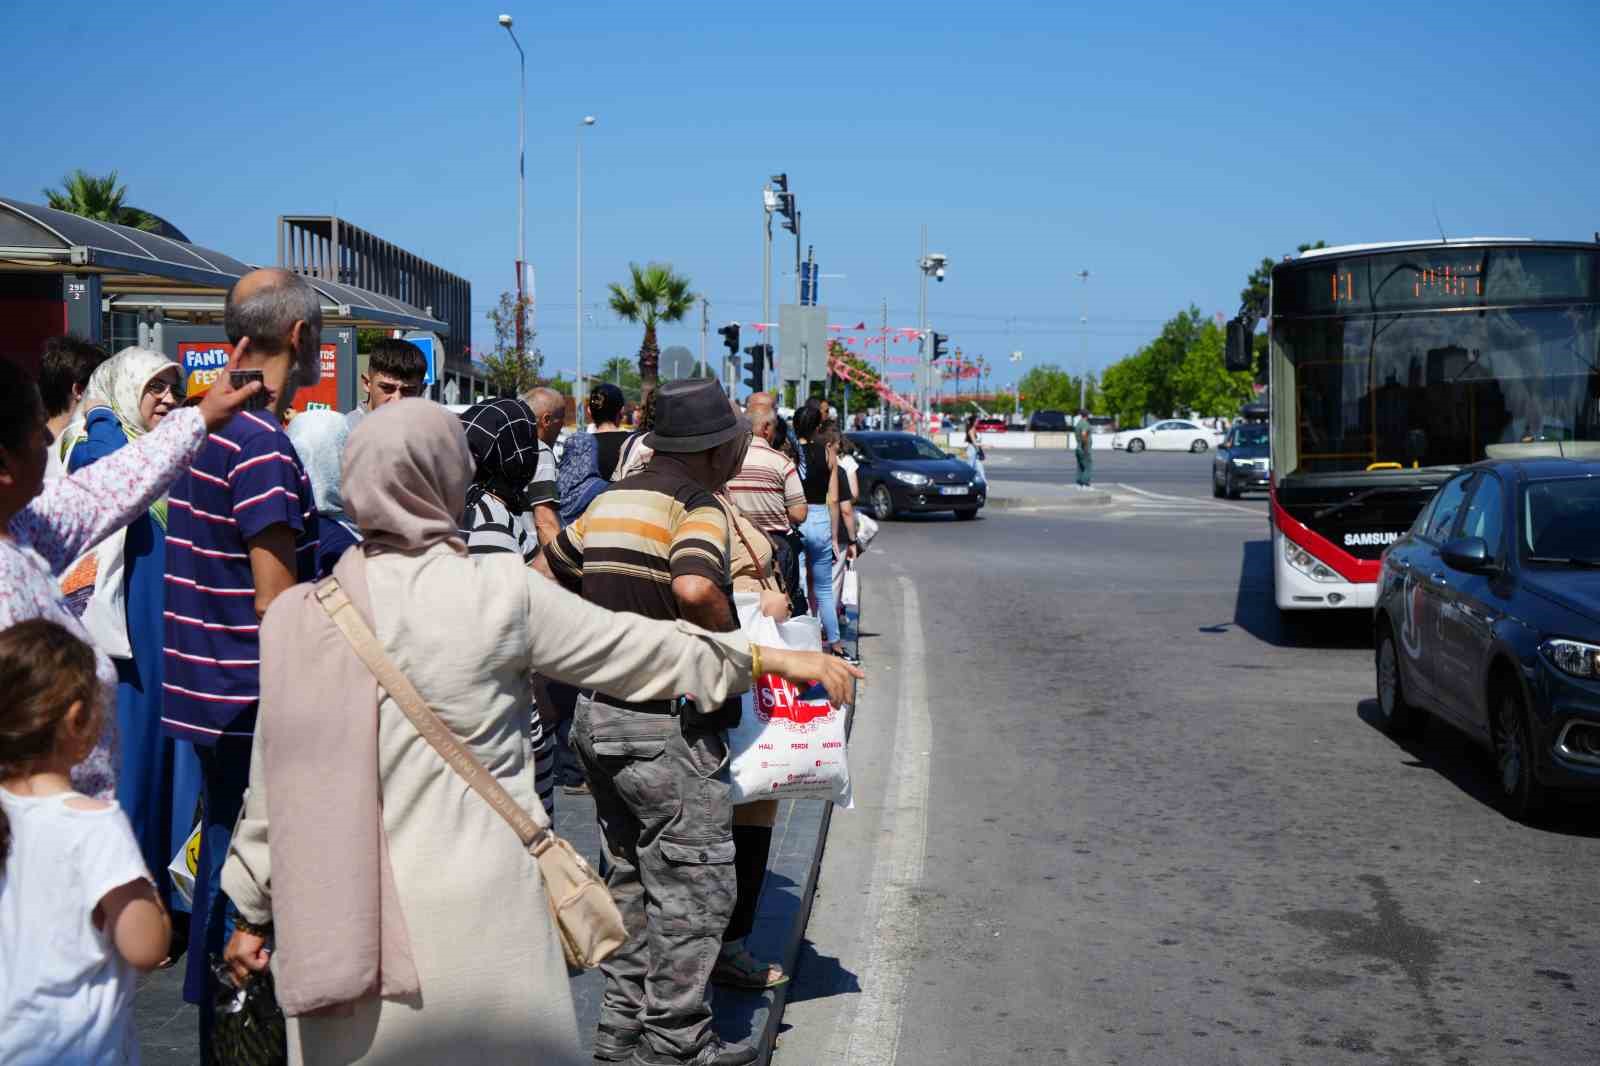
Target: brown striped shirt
point(638, 535)
point(766, 486)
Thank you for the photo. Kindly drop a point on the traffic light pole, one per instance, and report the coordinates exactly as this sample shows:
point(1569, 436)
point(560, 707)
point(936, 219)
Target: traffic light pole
point(925, 382)
point(883, 368)
point(766, 273)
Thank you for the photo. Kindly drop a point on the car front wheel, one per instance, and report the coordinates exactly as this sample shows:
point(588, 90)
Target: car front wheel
point(1520, 792)
point(1198, 446)
point(882, 503)
point(1136, 445)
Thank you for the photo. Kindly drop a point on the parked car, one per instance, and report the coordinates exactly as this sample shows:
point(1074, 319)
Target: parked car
point(1172, 435)
point(1242, 462)
point(1049, 422)
point(900, 473)
point(1488, 616)
point(990, 425)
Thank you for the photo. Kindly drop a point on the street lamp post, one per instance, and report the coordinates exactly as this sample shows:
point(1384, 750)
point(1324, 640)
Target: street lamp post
point(522, 193)
point(928, 264)
point(578, 385)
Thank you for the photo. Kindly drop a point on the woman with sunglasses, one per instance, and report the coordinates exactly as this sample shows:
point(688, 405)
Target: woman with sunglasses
point(158, 778)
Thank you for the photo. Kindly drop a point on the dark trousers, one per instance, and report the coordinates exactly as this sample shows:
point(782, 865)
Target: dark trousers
point(752, 848)
point(569, 771)
point(1085, 466)
point(224, 774)
point(663, 798)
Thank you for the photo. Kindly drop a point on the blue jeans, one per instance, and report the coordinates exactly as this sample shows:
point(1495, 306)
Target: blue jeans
point(817, 532)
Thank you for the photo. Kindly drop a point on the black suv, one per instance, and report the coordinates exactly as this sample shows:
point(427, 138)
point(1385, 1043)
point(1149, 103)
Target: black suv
point(1049, 422)
point(1488, 615)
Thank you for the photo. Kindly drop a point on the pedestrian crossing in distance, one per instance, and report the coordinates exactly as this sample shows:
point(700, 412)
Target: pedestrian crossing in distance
point(1134, 504)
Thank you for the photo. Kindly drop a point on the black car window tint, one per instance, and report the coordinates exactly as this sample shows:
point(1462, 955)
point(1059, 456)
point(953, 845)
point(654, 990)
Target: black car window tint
point(1485, 515)
point(1561, 517)
point(1420, 526)
point(1447, 507)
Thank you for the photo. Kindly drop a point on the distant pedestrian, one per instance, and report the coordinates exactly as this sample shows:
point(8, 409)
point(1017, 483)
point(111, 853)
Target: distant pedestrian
point(549, 408)
point(1083, 440)
point(635, 452)
point(79, 916)
point(395, 371)
point(767, 489)
point(974, 450)
point(822, 481)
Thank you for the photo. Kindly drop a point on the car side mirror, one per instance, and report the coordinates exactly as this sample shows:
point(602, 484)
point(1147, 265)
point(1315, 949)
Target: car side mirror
point(1467, 554)
point(1239, 353)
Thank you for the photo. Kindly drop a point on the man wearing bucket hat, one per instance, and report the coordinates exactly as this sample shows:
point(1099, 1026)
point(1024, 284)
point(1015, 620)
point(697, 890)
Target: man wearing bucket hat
point(656, 544)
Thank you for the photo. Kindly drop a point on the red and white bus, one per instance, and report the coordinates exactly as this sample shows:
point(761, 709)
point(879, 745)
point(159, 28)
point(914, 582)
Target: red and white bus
point(1393, 365)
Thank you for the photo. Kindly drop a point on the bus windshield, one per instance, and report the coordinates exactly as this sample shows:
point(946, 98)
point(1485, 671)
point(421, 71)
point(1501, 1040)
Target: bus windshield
point(1435, 388)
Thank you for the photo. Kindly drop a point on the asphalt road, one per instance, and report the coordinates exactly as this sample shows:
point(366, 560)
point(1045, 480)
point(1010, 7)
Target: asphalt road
point(1109, 811)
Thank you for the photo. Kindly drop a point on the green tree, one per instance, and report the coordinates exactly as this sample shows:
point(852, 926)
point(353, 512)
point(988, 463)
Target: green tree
point(1125, 390)
point(1047, 387)
point(1201, 382)
point(654, 294)
point(1253, 299)
point(623, 373)
point(511, 370)
point(100, 198)
point(862, 397)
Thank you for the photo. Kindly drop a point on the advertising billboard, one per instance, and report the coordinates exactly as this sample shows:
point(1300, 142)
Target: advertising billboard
point(202, 361)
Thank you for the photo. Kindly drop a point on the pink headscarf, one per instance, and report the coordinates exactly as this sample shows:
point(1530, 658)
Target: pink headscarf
point(340, 933)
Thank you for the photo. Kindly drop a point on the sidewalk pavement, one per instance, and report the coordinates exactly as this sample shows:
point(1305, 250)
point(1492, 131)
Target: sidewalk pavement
point(168, 1027)
point(1012, 494)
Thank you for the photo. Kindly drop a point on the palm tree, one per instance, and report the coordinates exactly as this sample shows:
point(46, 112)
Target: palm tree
point(82, 193)
point(655, 294)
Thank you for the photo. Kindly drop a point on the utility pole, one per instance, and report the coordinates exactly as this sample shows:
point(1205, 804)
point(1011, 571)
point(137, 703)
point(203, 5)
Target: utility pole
point(705, 324)
point(883, 369)
point(769, 203)
point(1083, 331)
point(923, 378)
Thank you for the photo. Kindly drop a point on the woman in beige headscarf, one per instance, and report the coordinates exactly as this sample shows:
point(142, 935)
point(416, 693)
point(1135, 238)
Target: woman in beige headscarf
point(409, 923)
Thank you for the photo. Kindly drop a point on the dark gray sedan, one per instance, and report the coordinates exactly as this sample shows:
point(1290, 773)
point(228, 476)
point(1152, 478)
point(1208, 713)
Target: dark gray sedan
point(1488, 616)
point(901, 473)
point(1243, 461)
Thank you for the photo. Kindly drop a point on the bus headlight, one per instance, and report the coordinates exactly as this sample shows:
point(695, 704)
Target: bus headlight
point(1573, 657)
point(1306, 563)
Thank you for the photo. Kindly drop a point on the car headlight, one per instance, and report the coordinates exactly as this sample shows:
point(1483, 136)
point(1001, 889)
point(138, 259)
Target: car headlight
point(911, 477)
point(1307, 563)
point(1573, 657)
point(1244, 464)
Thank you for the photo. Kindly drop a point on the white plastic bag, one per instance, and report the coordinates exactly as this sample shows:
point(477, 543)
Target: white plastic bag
point(185, 865)
point(850, 591)
point(790, 743)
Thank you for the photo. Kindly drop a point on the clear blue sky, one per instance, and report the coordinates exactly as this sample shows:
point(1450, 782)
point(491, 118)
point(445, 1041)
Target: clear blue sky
point(1165, 147)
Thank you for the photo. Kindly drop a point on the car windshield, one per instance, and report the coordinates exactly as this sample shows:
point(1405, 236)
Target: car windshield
point(906, 448)
point(1560, 519)
point(1249, 435)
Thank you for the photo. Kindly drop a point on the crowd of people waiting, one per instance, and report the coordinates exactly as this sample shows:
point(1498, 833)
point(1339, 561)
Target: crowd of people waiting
point(165, 657)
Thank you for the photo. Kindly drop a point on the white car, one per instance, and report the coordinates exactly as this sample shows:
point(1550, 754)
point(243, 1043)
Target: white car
point(1172, 435)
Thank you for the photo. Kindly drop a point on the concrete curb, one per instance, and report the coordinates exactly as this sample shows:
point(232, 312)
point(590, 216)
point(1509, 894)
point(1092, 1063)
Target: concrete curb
point(1092, 498)
point(784, 911)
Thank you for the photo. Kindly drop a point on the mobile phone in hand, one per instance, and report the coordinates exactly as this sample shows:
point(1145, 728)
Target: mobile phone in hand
point(241, 378)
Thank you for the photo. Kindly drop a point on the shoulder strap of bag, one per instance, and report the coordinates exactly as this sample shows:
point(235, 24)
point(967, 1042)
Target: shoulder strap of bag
point(734, 522)
point(533, 831)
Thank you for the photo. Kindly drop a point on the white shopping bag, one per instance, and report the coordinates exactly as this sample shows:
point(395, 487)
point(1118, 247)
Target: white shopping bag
point(850, 593)
point(185, 865)
point(790, 742)
point(866, 529)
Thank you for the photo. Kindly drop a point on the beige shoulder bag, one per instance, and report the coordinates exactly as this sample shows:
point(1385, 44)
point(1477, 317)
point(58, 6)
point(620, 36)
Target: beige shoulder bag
point(589, 923)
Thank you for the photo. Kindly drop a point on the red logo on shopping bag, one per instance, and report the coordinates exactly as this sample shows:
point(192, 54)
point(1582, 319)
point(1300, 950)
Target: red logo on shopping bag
point(778, 698)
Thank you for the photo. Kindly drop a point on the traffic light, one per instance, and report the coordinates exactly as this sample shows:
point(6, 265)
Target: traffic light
point(730, 339)
point(755, 367)
point(786, 208)
point(936, 351)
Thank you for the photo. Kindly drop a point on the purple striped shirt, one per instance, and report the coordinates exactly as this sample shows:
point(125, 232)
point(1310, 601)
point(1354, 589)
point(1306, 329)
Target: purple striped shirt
point(246, 479)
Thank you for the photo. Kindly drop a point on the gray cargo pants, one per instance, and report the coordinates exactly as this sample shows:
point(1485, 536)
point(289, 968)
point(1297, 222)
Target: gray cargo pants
point(662, 795)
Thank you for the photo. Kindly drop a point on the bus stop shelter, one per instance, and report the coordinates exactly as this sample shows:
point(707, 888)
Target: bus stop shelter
point(115, 286)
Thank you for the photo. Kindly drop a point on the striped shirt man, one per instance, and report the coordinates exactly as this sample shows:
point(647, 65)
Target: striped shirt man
point(766, 487)
point(246, 479)
point(640, 534)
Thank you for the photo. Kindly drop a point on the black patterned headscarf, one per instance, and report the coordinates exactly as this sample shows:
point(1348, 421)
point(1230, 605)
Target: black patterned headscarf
point(504, 440)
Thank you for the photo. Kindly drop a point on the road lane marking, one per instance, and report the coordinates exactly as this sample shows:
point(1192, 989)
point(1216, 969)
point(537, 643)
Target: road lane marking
point(891, 924)
point(1195, 500)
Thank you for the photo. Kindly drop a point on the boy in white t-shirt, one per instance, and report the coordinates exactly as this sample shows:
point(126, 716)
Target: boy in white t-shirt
point(79, 914)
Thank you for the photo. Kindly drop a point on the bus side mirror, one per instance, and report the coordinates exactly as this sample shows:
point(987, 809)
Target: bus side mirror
point(1240, 354)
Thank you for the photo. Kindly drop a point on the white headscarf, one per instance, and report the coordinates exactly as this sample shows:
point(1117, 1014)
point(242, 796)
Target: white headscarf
point(118, 385)
point(319, 438)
